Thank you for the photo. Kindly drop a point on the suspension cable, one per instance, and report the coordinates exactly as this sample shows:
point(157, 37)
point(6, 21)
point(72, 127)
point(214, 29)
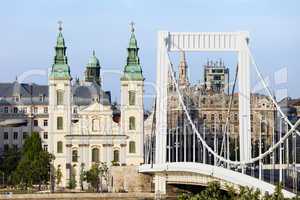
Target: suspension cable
point(228, 161)
point(229, 111)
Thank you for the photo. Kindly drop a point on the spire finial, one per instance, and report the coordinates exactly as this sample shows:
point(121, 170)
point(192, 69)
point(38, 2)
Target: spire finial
point(60, 25)
point(132, 27)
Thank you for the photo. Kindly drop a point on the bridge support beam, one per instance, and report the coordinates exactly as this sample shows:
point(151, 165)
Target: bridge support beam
point(244, 97)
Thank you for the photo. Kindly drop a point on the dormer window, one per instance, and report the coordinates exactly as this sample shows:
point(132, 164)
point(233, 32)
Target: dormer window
point(42, 97)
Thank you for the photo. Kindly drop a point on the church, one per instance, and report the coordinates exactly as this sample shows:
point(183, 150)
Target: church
point(76, 119)
point(84, 132)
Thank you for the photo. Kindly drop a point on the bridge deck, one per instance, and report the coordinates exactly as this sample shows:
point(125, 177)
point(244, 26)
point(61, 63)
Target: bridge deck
point(221, 173)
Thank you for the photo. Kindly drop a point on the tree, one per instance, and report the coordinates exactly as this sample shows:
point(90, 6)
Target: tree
point(92, 176)
point(72, 181)
point(34, 166)
point(277, 195)
point(58, 175)
point(214, 192)
point(82, 174)
point(9, 163)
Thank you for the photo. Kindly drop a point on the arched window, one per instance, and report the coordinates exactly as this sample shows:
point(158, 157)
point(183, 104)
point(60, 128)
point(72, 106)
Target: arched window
point(75, 156)
point(59, 147)
point(60, 97)
point(116, 156)
point(131, 95)
point(131, 147)
point(131, 123)
point(95, 155)
point(60, 124)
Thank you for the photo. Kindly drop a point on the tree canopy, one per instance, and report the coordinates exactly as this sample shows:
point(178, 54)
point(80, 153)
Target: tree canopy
point(34, 166)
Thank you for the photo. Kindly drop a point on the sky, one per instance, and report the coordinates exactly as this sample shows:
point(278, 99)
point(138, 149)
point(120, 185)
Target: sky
point(29, 29)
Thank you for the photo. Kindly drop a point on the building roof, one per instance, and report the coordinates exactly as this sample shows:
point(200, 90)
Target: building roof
point(34, 94)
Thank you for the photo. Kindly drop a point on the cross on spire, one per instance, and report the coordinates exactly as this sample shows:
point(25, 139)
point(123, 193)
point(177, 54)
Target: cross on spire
point(132, 26)
point(60, 25)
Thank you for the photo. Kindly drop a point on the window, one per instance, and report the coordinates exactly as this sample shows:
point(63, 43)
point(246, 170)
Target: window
point(213, 128)
point(59, 147)
point(131, 123)
point(235, 117)
point(220, 117)
point(45, 122)
point(60, 123)
point(131, 147)
point(24, 135)
point(74, 156)
point(96, 124)
point(45, 109)
point(35, 122)
point(116, 156)
point(5, 136)
point(15, 147)
point(75, 110)
point(131, 95)
point(6, 109)
point(95, 155)
point(42, 98)
point(45, 147)
point(212, 117)
point(45, 136)
point(15, 135)
point(15, 110)
point(60, 97)
point(204, 116)
point(35, 110)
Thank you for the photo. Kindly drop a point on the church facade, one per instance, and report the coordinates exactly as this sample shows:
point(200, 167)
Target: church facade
point(76, 119)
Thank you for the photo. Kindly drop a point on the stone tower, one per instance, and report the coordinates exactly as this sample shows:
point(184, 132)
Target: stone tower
point(132, 104)
point(183, 77)
point(216, 77)
point(92, 72)
point(60, 108)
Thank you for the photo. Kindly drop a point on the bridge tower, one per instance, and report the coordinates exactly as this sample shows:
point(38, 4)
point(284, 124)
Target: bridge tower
point(201, 41)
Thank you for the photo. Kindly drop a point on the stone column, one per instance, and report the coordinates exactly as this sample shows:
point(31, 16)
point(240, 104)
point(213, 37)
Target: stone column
point(108, 153)
point(68, 161)
point(160, 184)
point(123, 154)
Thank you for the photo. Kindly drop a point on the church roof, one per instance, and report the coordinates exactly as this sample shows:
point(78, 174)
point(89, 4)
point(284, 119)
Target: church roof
point(133, 69)
point(34, 94)
point(93, 61)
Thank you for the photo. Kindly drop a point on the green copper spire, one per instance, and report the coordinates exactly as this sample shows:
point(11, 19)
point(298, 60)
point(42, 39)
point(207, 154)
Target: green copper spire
point(133, 69)
point(60, 68)
point(92, 72)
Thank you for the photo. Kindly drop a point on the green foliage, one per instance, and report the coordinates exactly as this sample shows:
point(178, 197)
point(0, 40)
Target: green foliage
point(213, 192)
point(81, 178)
point(34, 166)
point(72, 182)
point(95, 175)
point(58, 175)
point(8, 163)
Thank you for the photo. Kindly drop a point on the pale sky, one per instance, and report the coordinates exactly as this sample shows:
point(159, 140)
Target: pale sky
point(29, 28)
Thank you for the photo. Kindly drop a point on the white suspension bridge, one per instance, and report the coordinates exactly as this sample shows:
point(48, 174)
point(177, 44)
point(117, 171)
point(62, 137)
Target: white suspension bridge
point(182, 154)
